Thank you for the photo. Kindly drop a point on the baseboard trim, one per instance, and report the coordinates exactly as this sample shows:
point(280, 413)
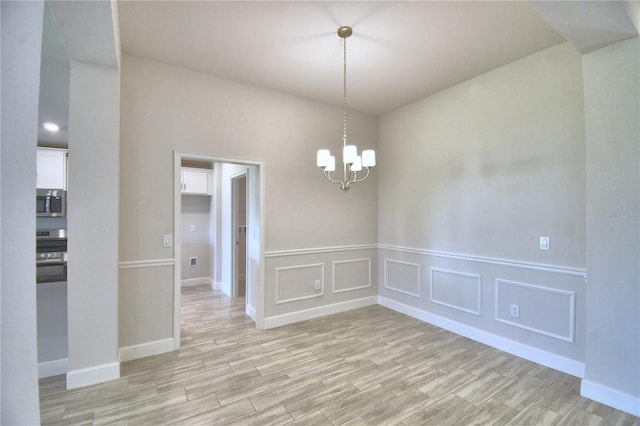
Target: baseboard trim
point(195, 281)
point(611, 397)
point(93, 375)
point(251, 312)
point(216, 285)
point(320, 311)
point(557, 362)
point(142, 350)
point(55, 367)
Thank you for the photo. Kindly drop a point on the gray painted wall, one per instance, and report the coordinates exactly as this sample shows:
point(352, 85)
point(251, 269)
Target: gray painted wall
point(167, 108)
point(21, 45)
point(612, 108)
point(469, 179)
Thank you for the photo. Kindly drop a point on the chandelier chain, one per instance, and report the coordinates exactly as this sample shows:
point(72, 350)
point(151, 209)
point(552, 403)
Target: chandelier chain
point(344, 98)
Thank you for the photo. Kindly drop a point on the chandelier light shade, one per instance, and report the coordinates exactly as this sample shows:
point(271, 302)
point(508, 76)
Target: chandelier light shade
point(352, 163)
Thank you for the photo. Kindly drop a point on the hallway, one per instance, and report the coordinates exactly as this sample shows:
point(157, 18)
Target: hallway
point(367, 366)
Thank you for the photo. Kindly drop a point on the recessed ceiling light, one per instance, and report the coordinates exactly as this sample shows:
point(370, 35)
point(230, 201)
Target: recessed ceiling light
point(50, 126)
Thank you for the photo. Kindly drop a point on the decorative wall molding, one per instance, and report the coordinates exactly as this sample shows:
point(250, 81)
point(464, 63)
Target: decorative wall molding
point(548, 359)
point(493, 261)
point(611, 397)
point(53, 368)
point(318, 250)
point(478, 290)
point(399, 290)
point(151, 263)
point(310, 296)
point(570, 295)
point(320, 311)
point(336, 262)
point(93, 375)
point(142, 350)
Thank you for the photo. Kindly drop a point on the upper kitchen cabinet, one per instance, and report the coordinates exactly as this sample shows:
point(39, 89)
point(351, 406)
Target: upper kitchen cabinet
point(196, 181)
point(51, 168)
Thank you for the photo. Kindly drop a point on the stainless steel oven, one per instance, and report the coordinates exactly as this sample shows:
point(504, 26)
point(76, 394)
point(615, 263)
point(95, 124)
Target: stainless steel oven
point(51, 255)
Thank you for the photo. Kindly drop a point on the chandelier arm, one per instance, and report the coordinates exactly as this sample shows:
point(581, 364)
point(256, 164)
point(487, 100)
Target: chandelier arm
point(327, 175)
point(355, 179)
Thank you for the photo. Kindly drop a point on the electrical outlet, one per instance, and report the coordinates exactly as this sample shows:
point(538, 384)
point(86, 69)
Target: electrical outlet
point(544, 243)
point(167, 241)
point(317, 285)
point(515, 311)
point(193, 261)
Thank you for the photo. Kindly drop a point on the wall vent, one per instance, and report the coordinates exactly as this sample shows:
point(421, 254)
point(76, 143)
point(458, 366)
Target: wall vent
point(193, 261)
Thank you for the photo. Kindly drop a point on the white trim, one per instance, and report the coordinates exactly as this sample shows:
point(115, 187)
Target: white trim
point(216, 285)
point(493, 261)
point(320, 311)
point(478, 279)
point(151, 263)
point(189, 282)
point(93, 375)
point(250, 311)
point(318, 250)
point(611, 397)
point(311, 296)
point(142, 350)
point(53, 368)
point(397, 289)
point(333, 275)
point(548, 359)
point(572, 308)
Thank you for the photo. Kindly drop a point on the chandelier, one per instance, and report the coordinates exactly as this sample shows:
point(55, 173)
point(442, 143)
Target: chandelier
point(352, 162)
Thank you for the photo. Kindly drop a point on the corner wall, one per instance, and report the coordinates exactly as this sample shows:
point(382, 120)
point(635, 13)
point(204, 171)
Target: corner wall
point(612, 110)
point(469, 179)
point(167, 108)
point(22, 24)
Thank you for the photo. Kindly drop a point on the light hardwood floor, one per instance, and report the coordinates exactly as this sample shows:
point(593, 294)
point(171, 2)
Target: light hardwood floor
point(370, 366)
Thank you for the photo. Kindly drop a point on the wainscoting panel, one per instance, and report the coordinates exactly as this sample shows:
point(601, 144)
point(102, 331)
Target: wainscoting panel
point(299, 282)
point(401, 276)
point(457, 290)
point(550, 300)
point(556, 320)
point(346, 275)
point(349, 275)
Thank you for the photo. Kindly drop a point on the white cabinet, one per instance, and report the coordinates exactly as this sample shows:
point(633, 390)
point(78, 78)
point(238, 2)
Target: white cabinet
point(196, 181)
point(51, 168)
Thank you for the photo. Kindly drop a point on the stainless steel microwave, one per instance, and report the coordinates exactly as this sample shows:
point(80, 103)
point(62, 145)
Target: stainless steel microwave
point(51, 203)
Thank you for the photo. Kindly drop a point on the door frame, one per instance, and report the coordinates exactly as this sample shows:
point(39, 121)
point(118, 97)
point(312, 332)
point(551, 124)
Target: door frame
point(257, 242)
point(234, 255)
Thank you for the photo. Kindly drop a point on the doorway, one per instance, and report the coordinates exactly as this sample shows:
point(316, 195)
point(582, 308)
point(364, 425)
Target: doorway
point(239, 229)
point(248, 178)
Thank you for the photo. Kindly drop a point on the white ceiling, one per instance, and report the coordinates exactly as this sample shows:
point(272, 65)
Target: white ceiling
point(400, 51)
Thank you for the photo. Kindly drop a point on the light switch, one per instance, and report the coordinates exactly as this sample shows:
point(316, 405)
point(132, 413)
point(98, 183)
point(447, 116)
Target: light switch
point(167, 240)
point(194, 228)
point(544, 243)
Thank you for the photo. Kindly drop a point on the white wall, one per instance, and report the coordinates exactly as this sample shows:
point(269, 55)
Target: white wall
point(469, 179)
point(195, 212)
point(22, 24)
point(93, 209)
point(612, 110)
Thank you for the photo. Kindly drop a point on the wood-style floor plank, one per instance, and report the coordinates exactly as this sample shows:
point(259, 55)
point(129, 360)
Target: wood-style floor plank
point(370, 366)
